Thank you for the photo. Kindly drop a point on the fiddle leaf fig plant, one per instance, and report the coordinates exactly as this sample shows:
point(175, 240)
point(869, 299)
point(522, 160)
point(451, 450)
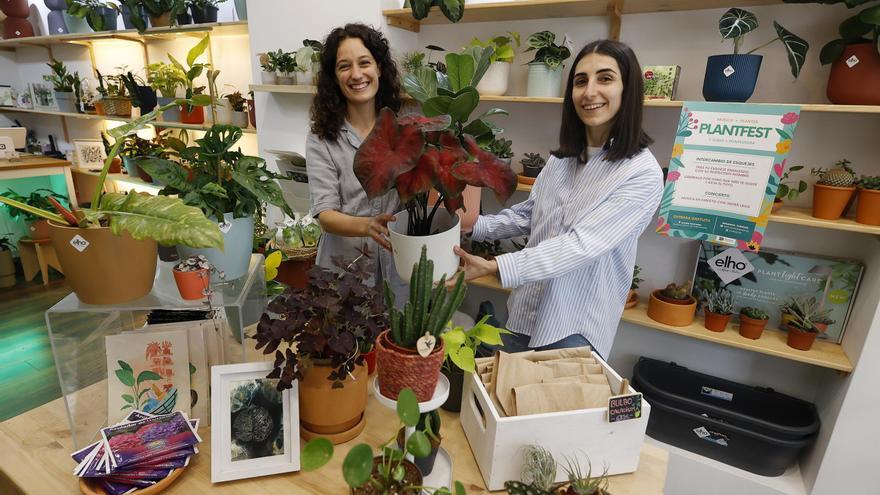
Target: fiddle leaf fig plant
point(736, 23)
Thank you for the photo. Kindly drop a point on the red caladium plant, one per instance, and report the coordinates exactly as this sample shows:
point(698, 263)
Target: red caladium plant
point(414, 154)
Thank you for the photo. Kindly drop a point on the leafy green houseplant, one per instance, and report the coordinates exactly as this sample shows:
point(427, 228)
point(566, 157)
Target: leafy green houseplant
point(733, 77)
point(204, 10)
point(308, 61)
point(546, 69)
point(285, 65)
point(188, 113)
point(163, 12)
point(166, 78)
point(101, 16)
point(67, 86)
point(38, 198)
point(269, 63)
point(868, 205)
point(451, 9)
point(495, 80)
point(461, 348)
point(386, 471)
point(429, 424)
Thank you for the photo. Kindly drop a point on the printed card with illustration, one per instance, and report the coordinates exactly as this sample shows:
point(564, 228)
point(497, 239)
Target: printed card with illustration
point(148, 372)
point(135, 443)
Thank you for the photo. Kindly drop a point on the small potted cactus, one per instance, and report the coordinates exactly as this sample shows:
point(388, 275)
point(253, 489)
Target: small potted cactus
point(805, 321)
point(632, 299)
point(532, 164)
point(868, 206)
point(834, 190)
point(193, 277)
point(673, 306)
point(752, 322)
point(719, 308)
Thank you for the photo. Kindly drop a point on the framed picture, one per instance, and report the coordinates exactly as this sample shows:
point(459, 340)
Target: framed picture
point(88, 153)
point(254, 427)
point(7, 96)
point(43, 97)
point(24, 99)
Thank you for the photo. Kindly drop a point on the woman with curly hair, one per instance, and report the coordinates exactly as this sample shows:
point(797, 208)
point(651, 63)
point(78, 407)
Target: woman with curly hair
point(358, 78)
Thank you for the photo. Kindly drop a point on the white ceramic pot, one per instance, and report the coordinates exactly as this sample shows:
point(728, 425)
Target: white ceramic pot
point(304, 78)
point(545, 82)
point(240, 119)
point(286, 78)
point(494, 81)
point(224, 112)
point(408, 249)
point(268, 77)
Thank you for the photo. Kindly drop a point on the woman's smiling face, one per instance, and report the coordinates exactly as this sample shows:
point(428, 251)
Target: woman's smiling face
point(356, 71)
point(597, 92)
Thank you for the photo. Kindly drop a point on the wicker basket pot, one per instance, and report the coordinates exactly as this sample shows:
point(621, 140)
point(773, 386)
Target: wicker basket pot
point(119, 106)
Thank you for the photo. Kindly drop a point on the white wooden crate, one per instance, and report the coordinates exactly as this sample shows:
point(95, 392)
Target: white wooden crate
point(497, 442)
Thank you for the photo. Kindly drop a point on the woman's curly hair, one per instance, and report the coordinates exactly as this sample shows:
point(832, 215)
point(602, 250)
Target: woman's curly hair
point(329, 105)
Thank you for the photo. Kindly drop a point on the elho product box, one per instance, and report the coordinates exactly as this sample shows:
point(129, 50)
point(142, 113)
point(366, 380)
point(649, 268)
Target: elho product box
point(497, 441)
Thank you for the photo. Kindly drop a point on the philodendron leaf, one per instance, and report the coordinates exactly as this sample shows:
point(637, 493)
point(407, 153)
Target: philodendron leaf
point(408, 407)
point(164, 219)
point(168, 172)
point(358, 465)
point(736, 22)
point(250, 174)
point(795, 47)
point(316, 453)
point(452, 9)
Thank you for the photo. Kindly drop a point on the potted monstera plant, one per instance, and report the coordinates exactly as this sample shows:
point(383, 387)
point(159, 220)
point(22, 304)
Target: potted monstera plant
point(108, 251)
point(318, 334)
point(438, 148)
point(733, 77)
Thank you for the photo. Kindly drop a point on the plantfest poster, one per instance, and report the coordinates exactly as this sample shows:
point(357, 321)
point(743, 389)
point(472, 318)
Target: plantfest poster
point(726, 165)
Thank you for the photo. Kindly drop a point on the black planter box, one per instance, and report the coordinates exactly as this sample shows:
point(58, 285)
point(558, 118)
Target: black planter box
point(752, 428)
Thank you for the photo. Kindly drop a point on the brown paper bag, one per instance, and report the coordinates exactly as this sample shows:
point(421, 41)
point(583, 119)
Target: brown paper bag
point(512, 371)
point(571, 369)
point(555, 397)
point(567, 379)
point(574, 352)
point(599, 379)
point(581, 360)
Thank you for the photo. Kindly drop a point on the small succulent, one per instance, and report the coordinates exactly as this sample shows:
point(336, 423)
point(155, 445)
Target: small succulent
point(533, 160)
point(539, 467)
point(872, 183)
point(842, 175)
point(585, 485)
point(720, 301)
point(754, 313)
point(679, 292)
point(805, 313)
point(500, 147)
point(636, 280)
point(193, 264)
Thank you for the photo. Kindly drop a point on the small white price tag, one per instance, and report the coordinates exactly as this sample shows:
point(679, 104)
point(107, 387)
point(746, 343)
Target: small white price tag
point(79, 243)
point(728, 71)
point(852, 61)
point(225, 226)
point(426, 344)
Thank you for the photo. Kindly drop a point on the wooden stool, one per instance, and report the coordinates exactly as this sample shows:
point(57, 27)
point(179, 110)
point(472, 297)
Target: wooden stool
point(37, 256)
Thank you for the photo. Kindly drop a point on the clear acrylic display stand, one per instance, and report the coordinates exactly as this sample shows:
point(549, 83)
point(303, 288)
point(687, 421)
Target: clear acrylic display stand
point(77, 331)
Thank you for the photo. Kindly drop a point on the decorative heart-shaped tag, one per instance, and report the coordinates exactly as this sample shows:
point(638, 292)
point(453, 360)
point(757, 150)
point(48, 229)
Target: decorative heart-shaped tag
point(426, 344)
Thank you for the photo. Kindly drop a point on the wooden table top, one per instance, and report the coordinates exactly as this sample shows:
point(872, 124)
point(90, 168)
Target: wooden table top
point(35, 458)
point(27, 162)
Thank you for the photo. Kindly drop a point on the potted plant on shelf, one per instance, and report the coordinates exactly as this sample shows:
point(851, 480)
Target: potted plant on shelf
point(269, 64)
point(204, 11)
point(308, 61)
point(161, 12)
point(451, 9)
point(38, 198)
point(868, 205)
point(733, 77)
point(673, 305)
point(142, 95)
point(461, 348)
point(136, 149)
point(225, 184)
point(190, 114)
point(410, 353)
point(855, 56)
point(785, 191)
point(184, 18)
point(299, 244)
point(546, 69)
point(193, 277)
point(7, 264)
point(632, 298)
point(752, 322)
point(532, 165)
point(322, 329)
point(285, 64)
point(718, 310)
point(100, 16)
point(55, 17)
point(114, 100)
point(834, 190)
point(804, 321)
point(108, 251)
point(166, 79)
point(134, 15)
point(67, 86)
point(429, 424)
point(238, 111)
point(494, 82)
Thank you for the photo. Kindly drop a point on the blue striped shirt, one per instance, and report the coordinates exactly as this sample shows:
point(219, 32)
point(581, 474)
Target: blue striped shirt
point(574, 274)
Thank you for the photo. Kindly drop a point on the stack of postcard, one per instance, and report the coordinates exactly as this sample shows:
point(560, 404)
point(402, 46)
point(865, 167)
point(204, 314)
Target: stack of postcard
point(139, 452)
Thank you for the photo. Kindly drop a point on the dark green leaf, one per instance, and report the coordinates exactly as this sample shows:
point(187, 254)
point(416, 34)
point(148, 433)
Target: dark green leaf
point(783, 134)
point(418, 444)
point(736, 22)
point(452, 9)
point(871, 15)
point(167, 172)
point(832, 51)
point(147, 375)
point(476, 128)
point(461, 107)
point(316, 453)
point(445, 92)
point(438, 105)
point(250, 172)
point(408, 407)
point(420, 8)
point(459, 488)
point(853, 29)
point(128, 398)
point(460, 70)
point(802, 186)
point(358, 465)
point(126, 377)
point(124, 365)
point(795, 47)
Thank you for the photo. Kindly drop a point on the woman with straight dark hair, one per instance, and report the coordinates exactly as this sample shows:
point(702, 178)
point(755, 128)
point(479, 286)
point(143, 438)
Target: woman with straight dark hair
point(595, 196)
point(358, 77)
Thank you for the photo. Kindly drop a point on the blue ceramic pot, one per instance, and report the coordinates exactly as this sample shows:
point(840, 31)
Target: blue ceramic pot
point(731, 77)
point(238, 243)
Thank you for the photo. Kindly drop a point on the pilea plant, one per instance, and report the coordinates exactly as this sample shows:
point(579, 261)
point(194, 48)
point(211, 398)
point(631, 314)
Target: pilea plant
point(736, 23)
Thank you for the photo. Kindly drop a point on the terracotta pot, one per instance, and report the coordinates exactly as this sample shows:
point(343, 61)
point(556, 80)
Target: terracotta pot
point(678, 314)
point(751, 328)
point(15, 8)
point(106, 269)
point(800, 339)
point(334, 413)
point(829, 202)
point(859, 84)
point(7, 269)
point(716, 322)
point(294, 273)
point(99, 108)
point(161, 21)
point(868, 207)
point(115, 165)
point(192, 285)
point(370, 359)
point(632, 300)
point(777, 205)
point(411, 477)
point(196, 116)
point(39, 229)
point(400, 368)
point(252, 112)
point(16, 27)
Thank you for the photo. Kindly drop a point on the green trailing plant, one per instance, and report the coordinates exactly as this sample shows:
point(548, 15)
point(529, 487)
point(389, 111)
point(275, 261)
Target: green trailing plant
point(388, 475)
point(870, 182)
point(451, 9)
point(62, 81)
point(736, 23)
point(166, 78)
point(38, 198)
point(584, 484)
point(678, 292)
point(429, 308)
point(503, 47)
point(193, 69)
point(547, 51)
point(91, 11)
point(501, 148)
point(167, 220)
point(805, 313)
point(754, 313)
point(863, 27)
point(236, 101)
point(842, 175)
point(636, 280)
point(785, 191)
point(461, 345)
point(719, 301)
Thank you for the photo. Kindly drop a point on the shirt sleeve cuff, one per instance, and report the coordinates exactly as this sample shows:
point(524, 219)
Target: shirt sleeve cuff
point(479, 231)
point(507, 271)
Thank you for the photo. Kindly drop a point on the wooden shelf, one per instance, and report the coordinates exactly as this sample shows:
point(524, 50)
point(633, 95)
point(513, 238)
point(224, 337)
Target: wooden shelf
point(546, 9)
point(236, 28)
point(90, 116)
point(307, 89)
point(772, 342)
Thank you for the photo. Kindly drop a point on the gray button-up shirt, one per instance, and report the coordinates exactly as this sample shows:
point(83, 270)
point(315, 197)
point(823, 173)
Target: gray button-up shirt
point(333, 186)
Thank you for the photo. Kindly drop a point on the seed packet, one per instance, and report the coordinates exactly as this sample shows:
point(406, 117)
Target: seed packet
point(133, 443)
point(116, 488)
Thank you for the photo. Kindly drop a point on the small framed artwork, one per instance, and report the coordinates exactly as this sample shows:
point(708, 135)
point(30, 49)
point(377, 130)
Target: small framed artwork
point(89, 153)
point(24, 99)
point(254, 427)
point(7, 96)
point(43, 97)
